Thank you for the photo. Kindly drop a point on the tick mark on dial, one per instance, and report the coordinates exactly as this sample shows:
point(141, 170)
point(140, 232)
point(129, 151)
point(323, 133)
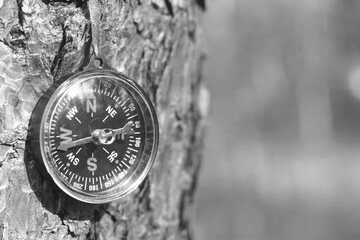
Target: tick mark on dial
point(77, 120)
point(125, 164)
point(124, 102)
point(113, 92)
point(78, 150)
point(132, 116)
point(105, 150)
point(105, 118)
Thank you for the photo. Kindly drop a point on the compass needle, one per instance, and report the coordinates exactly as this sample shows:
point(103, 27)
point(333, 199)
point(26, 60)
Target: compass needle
point(66, 145)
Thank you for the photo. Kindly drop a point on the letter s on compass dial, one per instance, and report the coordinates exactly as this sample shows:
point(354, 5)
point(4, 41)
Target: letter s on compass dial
point(98, 136)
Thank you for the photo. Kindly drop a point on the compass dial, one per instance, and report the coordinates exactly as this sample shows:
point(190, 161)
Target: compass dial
point(98, 136)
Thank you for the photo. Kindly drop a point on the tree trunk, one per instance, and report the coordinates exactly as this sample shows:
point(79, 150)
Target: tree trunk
point(157, 43)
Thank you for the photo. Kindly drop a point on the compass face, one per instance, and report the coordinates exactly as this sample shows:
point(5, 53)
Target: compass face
point(98, 136)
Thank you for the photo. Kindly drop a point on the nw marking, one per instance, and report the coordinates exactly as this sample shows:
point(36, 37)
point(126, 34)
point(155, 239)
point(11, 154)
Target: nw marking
point(72, 113)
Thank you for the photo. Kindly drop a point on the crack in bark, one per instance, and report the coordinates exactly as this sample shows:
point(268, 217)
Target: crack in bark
point(8, 138)
point(201, 4)
point(78, 2)
point(62, 51)
point(20, 12)
point(59, 55)
point(69, 232)
point(184, 223)
point(169, 6)
point(87, 34)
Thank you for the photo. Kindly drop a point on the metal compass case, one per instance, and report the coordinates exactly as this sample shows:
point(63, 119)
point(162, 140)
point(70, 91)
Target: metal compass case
point(97, 135)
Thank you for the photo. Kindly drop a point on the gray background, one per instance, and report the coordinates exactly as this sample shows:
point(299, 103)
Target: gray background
point(282, 156)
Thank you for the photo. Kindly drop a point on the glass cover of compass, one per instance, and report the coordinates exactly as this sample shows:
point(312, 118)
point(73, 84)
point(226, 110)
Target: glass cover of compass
point(98, 136)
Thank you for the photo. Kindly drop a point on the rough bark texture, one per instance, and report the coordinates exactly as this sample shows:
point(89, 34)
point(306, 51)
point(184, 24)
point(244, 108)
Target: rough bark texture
point(156, 42)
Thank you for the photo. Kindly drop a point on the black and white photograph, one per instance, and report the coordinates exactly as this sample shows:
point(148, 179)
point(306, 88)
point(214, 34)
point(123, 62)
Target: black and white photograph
point(179, 120)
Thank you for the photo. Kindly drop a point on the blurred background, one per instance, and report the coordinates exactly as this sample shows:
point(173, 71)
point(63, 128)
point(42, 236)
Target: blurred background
point(282, 153)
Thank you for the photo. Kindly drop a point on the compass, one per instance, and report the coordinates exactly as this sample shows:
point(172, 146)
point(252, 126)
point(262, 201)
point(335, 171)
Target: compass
point(98, 135)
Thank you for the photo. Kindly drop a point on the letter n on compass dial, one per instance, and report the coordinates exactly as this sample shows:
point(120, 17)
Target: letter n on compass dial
point(96, 132)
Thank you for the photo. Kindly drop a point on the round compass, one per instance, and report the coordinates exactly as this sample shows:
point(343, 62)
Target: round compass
point(98, 136)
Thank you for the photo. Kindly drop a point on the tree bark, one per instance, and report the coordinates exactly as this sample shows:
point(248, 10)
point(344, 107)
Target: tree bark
point(158, 43)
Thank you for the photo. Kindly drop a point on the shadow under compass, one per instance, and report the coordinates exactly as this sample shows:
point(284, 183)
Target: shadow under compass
point(48, 193)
